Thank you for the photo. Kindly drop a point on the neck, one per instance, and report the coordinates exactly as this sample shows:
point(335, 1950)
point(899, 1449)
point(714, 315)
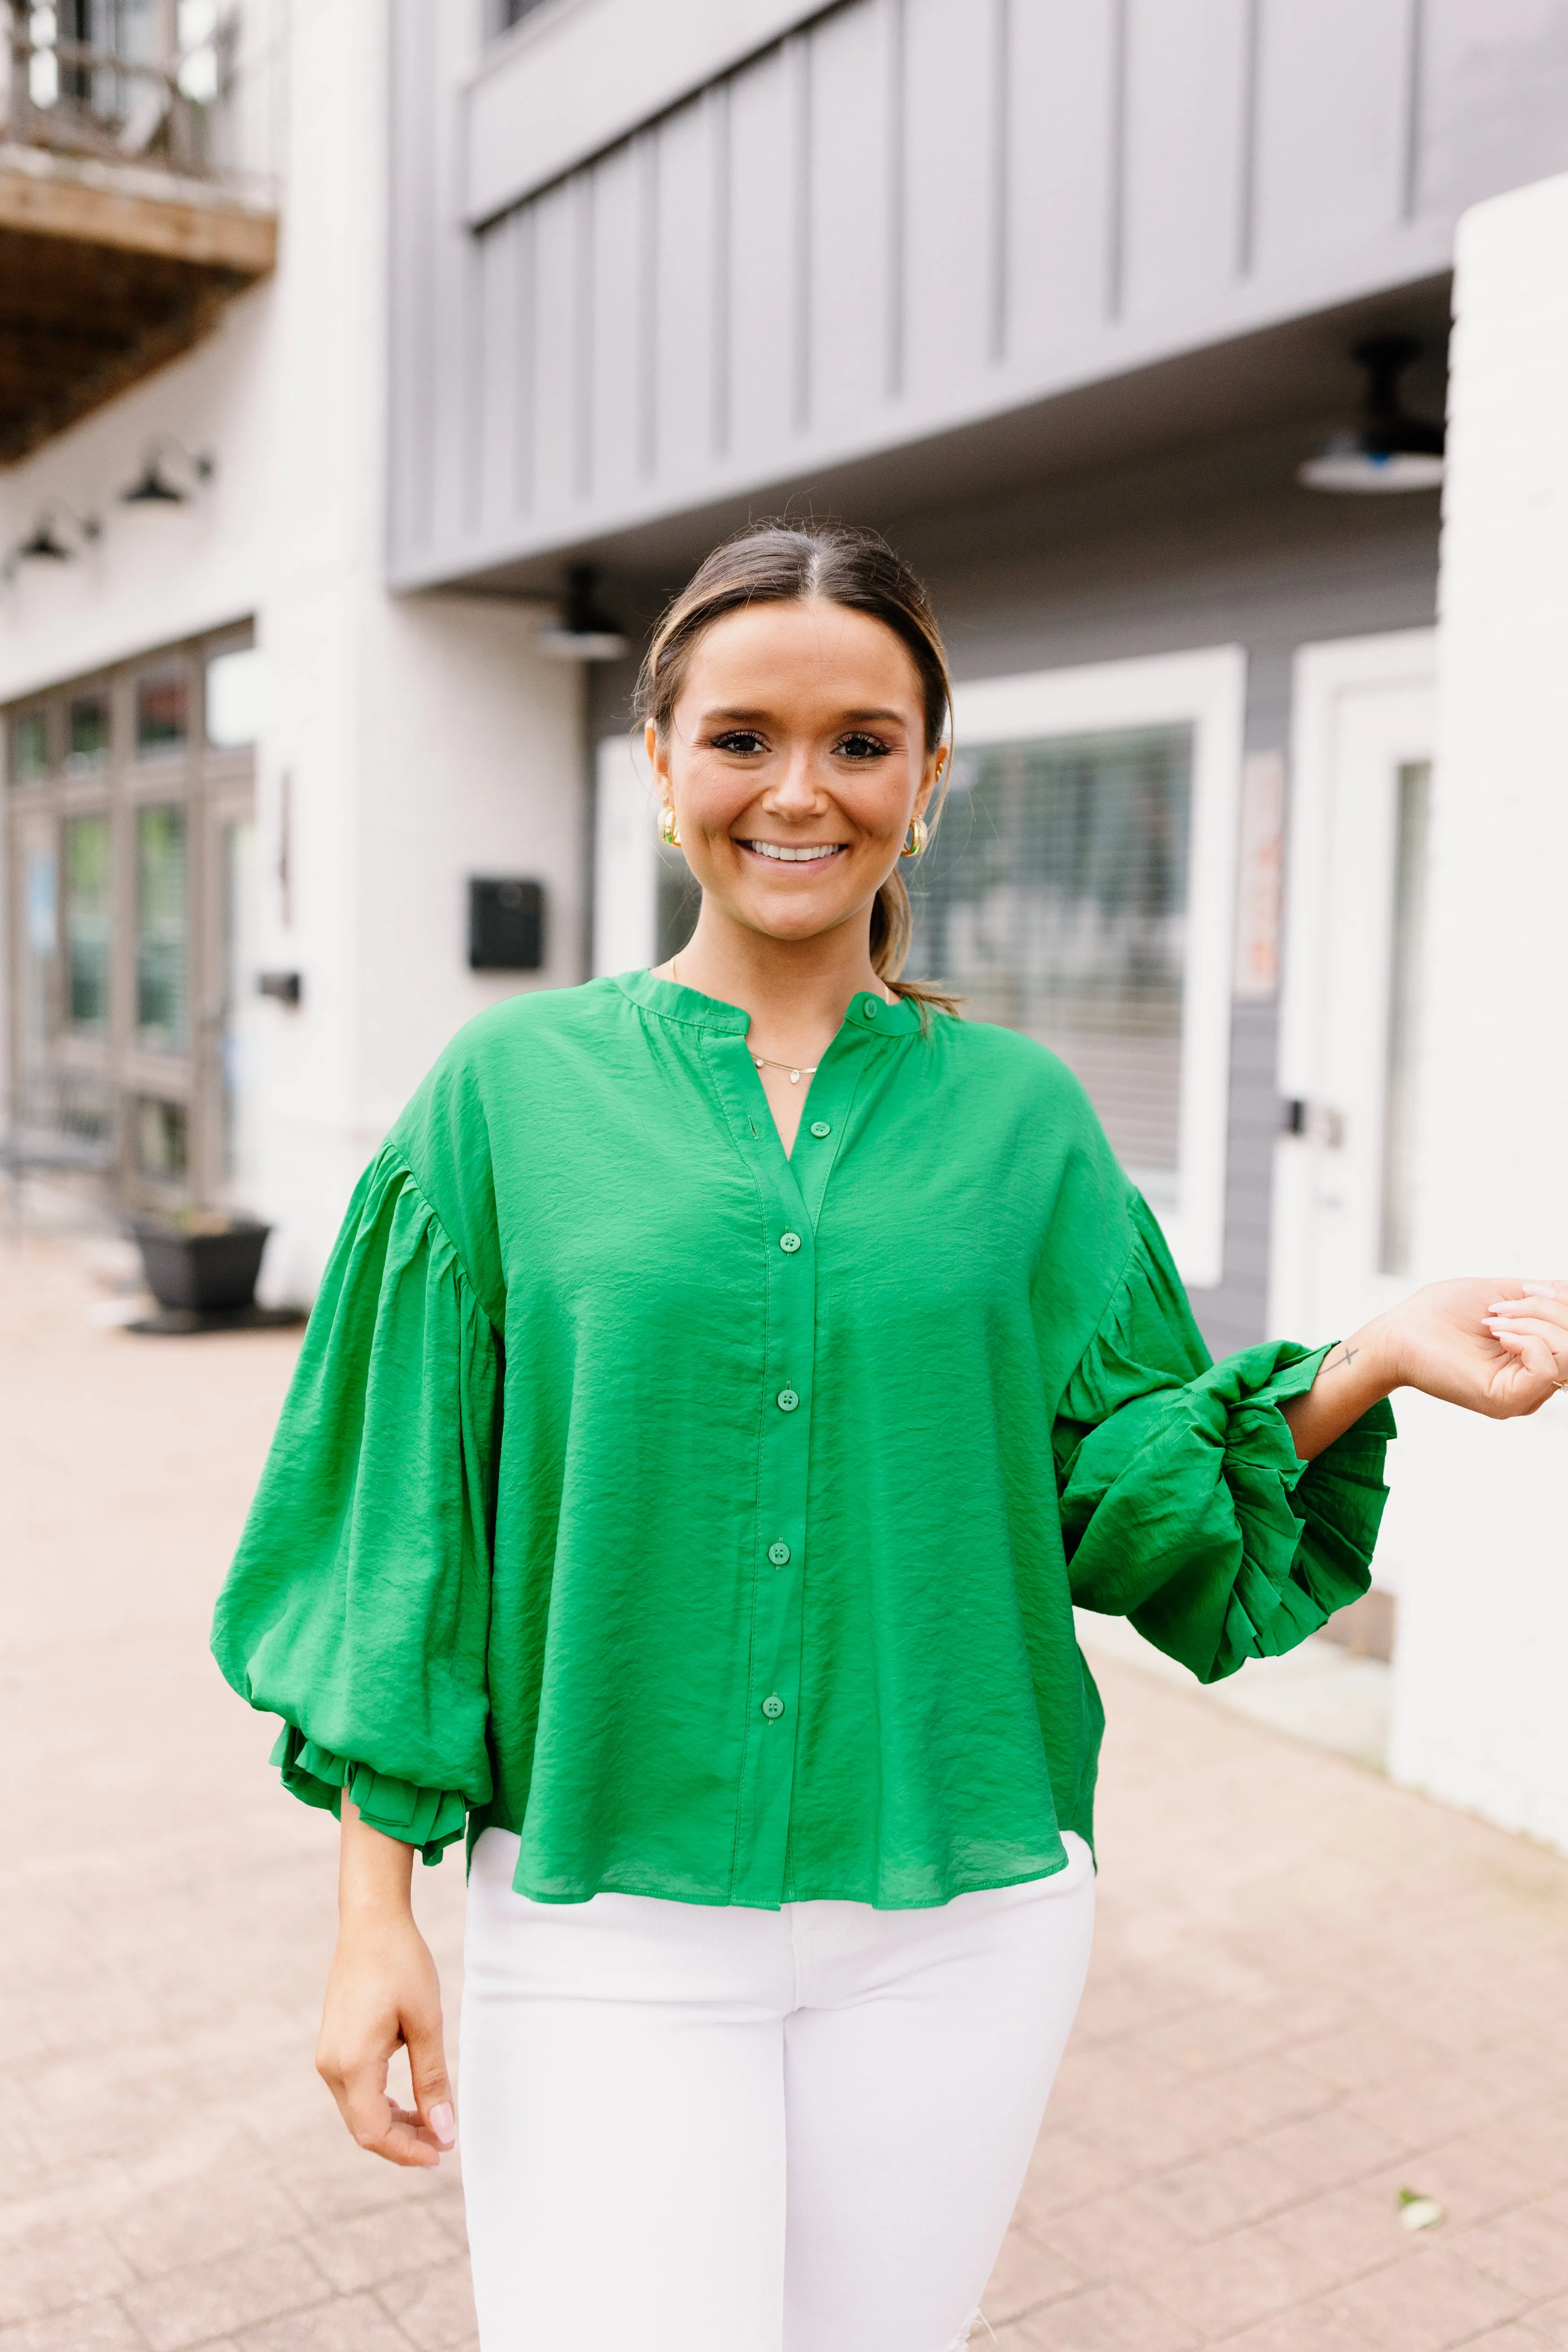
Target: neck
point(796, 991)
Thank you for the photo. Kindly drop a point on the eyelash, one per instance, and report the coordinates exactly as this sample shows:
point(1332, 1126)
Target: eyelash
point(745, 743)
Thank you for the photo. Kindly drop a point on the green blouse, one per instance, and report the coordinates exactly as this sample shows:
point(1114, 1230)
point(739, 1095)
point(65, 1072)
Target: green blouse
point(713, 1518)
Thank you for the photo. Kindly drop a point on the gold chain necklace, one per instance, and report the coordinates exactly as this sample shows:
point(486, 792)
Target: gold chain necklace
point(766, 1061)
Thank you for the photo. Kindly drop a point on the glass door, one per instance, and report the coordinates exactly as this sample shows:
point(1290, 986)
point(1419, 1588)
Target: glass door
point(129, 799)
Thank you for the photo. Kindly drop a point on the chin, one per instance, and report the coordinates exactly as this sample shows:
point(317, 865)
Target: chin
point(795, 922)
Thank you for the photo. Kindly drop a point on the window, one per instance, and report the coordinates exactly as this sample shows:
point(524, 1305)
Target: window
point(132, 887)
point(88, 910)
point(161, 697)
point(233, 698)
point(1414, 792)
point(1055, 899)
point(40, 947)
point(29, 746)
point(1079, 889)
point(162, 928)
point(87, 733)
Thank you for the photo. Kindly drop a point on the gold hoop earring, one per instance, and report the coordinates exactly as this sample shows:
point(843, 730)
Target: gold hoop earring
point(916, 838)
point(668, 831)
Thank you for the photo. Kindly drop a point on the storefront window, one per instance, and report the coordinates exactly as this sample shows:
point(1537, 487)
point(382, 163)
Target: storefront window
point(134, 885)
point(161, 719)
point(1055, 900)
point(40, 918)
point(29, 746)
point(88, 903)
point(163, 928)
point(87, 732)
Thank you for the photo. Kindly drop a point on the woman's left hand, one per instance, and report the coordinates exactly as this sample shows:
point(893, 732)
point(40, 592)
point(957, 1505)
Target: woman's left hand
point(1494, 1344)
point(1497, 1346)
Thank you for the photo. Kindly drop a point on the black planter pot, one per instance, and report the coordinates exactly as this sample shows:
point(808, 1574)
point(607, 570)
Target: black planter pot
point(202, 1272)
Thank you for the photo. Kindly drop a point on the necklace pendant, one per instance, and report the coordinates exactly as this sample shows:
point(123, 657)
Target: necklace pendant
point(794, 1077)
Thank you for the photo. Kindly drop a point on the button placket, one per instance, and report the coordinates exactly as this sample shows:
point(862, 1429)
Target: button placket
point(791, 1195)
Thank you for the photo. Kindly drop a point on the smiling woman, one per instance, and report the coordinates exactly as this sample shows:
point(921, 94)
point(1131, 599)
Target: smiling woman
point(728, 1380)
point(796, 806)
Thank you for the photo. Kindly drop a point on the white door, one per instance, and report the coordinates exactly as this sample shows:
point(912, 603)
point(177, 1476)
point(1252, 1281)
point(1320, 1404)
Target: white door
point(1361, 763)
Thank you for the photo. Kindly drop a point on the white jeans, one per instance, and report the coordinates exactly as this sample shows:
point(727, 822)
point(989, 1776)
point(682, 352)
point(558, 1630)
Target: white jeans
point(696, 2130)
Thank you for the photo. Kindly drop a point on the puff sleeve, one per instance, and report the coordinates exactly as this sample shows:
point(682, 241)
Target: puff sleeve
point(357, 1607)
point(1184, 1504)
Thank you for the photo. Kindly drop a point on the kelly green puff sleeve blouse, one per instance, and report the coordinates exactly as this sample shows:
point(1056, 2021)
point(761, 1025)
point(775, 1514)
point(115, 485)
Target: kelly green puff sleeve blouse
point(713, 1520)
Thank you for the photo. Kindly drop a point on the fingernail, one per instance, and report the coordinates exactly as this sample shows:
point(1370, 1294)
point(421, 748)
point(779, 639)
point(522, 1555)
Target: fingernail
point(441, 2122)
point(1539, 1289)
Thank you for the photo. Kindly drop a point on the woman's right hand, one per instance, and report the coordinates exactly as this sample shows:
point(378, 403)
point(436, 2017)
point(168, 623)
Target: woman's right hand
point(383, 1990)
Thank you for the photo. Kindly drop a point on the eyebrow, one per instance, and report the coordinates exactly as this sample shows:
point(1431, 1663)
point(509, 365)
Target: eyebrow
point(752, 718)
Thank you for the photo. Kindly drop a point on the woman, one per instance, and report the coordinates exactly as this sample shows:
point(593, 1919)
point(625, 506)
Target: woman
point(726, 1382)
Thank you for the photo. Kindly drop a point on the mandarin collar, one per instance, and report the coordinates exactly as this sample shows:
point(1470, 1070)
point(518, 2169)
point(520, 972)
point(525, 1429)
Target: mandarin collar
point(870, 1015)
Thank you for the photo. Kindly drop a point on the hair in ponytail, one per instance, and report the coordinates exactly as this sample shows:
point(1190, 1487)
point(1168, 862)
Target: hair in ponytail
point(785, 564)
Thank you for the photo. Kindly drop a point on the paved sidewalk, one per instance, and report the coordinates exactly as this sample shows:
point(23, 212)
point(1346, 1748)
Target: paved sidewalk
point(1312, 1991)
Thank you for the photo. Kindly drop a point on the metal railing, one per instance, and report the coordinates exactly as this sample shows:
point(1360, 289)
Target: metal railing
point(131, 91)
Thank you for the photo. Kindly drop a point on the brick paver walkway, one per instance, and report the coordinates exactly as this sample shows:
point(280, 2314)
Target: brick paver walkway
point(1312, 1991)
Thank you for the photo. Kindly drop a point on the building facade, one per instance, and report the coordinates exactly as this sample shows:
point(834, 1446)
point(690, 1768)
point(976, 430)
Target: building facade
point(1062, 298)
point(235, 758)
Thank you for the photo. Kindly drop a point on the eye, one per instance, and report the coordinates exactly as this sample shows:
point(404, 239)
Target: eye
point(857, 746)
point(742, 742)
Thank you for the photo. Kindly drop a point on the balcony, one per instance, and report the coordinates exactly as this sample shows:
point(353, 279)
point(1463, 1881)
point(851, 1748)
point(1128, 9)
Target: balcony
point(126, 215)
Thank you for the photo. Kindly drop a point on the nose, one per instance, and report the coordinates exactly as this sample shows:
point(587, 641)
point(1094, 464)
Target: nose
point(798, 791)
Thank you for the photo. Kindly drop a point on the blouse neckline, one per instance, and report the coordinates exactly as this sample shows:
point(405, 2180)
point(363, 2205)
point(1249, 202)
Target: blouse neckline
point(866, 1014)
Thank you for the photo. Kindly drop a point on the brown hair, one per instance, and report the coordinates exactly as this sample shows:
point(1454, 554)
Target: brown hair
point(785, 564)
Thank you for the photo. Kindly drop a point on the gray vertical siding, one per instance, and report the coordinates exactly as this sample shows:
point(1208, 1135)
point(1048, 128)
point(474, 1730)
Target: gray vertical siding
point(892, 219)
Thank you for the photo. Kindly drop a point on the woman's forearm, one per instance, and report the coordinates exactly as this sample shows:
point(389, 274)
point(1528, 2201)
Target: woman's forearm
point(376, 1873)
point(1352, 1377)
point(383, 1990)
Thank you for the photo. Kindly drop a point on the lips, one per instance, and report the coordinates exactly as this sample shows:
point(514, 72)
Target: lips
point(811, 854)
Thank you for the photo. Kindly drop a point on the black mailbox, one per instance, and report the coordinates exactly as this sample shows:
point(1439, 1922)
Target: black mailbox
point(506, 925)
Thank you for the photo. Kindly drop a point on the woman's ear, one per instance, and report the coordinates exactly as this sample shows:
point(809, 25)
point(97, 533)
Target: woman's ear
point(655, 757)
point(935, 769)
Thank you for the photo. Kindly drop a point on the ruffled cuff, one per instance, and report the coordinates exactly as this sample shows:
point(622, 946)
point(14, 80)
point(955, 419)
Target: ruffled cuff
point(1308, 1529)
point(431, 1818)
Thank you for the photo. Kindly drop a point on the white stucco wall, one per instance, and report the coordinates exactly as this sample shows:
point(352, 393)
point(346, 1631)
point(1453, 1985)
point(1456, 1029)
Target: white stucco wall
point(424, 738)
point(1482, 1688)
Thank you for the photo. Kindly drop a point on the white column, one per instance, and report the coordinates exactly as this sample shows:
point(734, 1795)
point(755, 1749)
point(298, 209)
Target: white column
point(626, 861)
point(1482, 1675)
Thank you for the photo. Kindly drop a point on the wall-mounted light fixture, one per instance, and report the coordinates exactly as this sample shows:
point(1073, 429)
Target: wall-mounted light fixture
point(1389, 450)
point(44, 543)
point(155, 486)
point(583, 633)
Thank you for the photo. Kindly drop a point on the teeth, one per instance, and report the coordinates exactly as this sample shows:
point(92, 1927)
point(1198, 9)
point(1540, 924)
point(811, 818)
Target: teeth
point(795, 856)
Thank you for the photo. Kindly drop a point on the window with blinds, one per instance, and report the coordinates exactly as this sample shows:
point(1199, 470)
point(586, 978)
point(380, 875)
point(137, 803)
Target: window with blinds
point(1055, 898)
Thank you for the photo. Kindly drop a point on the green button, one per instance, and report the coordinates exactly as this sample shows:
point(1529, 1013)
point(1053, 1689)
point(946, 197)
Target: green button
point(819, 1128)
point(787, 1400)
point(870, 1007)
point(773, 1707)
point(789, 1243)
point(779, 1554)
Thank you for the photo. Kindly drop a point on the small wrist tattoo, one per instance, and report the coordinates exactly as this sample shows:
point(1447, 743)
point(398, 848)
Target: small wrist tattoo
point(1346, 1356)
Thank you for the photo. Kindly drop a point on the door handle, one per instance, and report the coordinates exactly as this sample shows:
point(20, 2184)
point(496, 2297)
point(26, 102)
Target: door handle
point(1320, 1122)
